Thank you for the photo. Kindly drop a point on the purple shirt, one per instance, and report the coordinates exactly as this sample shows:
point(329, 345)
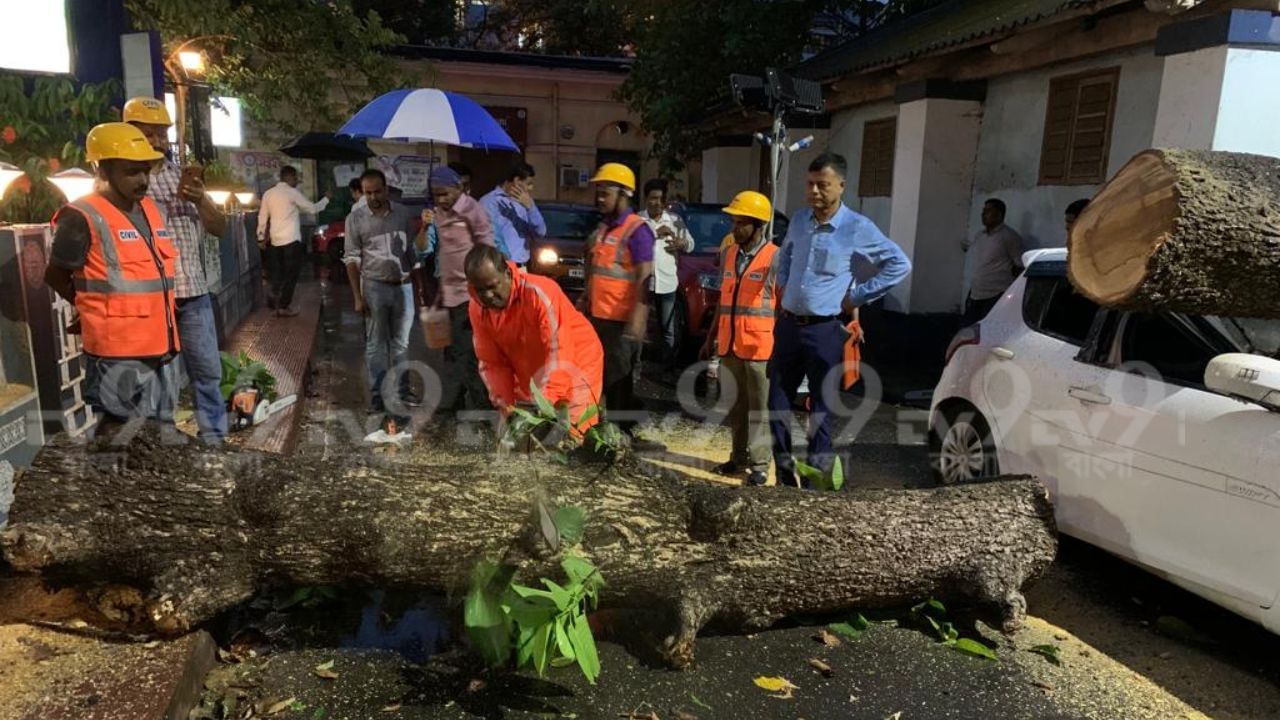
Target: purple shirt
point(642, 239)
point(459, 229)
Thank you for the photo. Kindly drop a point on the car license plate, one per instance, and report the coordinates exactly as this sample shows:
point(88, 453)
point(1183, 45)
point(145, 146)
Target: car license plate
point(575, 272)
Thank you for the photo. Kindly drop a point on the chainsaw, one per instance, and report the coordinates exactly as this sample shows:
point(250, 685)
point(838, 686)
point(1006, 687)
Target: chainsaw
point(248, 406)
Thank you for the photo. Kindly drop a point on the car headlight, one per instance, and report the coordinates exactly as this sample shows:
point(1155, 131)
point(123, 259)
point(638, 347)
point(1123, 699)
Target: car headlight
point(709, 281)
point(547, 256)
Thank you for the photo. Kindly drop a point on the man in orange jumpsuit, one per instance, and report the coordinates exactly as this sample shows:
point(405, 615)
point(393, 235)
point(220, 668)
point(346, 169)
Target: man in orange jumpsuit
point(527, 331)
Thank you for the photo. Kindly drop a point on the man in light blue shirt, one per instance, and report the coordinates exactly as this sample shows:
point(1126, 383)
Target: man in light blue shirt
point(827, 247)
point(515, 217)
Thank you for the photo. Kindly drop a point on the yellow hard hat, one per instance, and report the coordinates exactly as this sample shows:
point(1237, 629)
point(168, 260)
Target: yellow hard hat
point(118, 141)
point(146, 110)
point(616, 173)
point(752, 204)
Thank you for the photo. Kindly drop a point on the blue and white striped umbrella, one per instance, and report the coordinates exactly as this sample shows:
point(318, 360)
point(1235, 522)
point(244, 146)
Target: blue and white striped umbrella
point(429, 115)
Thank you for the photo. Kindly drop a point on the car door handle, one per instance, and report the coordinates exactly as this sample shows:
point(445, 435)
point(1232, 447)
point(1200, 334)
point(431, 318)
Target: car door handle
point(1089, 395)
point(1002, 353)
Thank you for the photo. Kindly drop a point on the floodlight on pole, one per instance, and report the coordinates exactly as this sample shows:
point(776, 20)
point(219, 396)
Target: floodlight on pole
point(74, 183)
point(8, 173)
point(192, 61)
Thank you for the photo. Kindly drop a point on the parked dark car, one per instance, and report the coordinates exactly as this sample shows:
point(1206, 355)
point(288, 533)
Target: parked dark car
point(559, 254)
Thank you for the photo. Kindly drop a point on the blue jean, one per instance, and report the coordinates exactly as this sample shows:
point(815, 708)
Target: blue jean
point(203, 364)
point(814, 351)
point(387, 324)
point(665, 303)
point(124, 389)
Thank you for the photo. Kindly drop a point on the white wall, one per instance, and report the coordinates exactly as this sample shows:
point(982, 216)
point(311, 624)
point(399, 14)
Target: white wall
point(791, 185)
point(846, 139)
point(1008, 164)
point(725, 172)
point(1222, 99)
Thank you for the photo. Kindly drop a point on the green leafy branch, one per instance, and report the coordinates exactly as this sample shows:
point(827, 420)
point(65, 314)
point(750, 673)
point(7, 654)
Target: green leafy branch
point(531, 428)
point(244, 371)
point(933, 613)
point(540, 626)
point(823, 481)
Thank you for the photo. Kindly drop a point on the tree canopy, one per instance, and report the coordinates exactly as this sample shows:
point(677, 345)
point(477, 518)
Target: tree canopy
point(295, 65)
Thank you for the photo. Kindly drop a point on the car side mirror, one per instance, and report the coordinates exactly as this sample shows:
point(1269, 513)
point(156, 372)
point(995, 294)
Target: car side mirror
point(1249, 377)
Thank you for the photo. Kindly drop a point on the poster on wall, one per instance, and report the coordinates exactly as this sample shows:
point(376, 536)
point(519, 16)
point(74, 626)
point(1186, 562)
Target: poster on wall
point(260, 170)
point(344, 174)
point(410, 173)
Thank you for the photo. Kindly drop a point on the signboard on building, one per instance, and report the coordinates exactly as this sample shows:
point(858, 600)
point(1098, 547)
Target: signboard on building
point(260, 170)
point(410, 173)
point(515, 120)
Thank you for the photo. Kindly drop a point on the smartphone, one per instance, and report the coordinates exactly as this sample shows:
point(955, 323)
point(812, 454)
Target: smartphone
point(191, 172)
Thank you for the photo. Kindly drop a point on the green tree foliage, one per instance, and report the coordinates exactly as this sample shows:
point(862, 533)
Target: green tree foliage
point(42, 128)
point(296, 65)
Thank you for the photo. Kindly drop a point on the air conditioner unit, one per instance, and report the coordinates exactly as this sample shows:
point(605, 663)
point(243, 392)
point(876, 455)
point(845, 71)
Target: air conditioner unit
point(571, 177)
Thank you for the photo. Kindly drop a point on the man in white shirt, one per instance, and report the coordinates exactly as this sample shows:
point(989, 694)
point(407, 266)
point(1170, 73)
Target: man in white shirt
point(280, 236)
point(671, 237)
point(997, 259)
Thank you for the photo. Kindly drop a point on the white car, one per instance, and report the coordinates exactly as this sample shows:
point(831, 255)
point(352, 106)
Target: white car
point(1156, 435)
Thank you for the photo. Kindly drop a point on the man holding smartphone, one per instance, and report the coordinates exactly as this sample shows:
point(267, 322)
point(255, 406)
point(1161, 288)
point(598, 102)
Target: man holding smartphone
point(195, 223)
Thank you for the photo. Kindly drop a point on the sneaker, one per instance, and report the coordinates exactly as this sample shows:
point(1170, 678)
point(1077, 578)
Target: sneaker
point(756, 478)
point(727, 468)
point(411, 400)
point(287, 312)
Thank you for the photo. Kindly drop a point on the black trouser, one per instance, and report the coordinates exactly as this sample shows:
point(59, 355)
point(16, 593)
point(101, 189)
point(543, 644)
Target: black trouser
point(976, 310)
point(284, 263)
point(464, 389)
point(621, 358)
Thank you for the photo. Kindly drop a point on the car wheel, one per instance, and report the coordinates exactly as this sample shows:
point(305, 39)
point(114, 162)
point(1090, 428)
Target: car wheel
point(961, 446)
point(680, 320)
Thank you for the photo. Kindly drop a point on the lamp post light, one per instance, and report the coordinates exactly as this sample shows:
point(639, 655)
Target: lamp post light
point(74, 183)
point(245, 198)
point(219, 197)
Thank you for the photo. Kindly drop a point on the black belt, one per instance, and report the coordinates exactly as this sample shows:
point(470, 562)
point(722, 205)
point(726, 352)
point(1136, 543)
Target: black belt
point(808, 319)
point(392, 282)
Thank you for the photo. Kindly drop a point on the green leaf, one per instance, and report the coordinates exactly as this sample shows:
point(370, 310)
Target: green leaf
point(837, 474)
point(563, 644)
point(319, 714)
point(530, 612)
point(542, 647)
point(584, 646)
point(562, 597)
point(570, 522)
point(975, 648)
point(694, 699)
point(485, 620)
point(845, 629)
point(1052, 653)
point(581, 571)
point(587, 415)
point(545, 407)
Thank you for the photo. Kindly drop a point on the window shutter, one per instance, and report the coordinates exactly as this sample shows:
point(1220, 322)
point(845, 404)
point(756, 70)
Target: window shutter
point(875, 175)
point(1077, 128)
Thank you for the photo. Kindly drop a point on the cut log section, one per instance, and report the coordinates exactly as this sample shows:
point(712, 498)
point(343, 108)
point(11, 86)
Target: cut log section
point(1192, 231)
point(183, 533)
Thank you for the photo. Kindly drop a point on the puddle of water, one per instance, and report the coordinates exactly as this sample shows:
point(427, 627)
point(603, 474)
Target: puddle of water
point(414, 625)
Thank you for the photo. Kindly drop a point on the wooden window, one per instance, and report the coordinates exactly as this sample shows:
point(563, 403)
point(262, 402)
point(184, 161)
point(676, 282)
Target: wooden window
point(875, 177)
point(1077, 128)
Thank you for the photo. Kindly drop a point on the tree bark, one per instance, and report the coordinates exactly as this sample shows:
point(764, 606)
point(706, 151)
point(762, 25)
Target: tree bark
point(182, 533)
point(1192, 231)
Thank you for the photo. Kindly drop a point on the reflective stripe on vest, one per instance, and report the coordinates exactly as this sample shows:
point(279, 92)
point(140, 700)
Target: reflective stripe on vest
point(124, 291)
point(746, 311)
point(613, 274)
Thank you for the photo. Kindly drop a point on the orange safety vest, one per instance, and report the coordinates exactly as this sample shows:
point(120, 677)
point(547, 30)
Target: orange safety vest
point(613, 274)
point(124, 292)
point(747, 305)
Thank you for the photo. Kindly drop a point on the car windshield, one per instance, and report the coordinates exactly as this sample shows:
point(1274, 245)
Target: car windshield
point(570, 224)
point(1260, 337)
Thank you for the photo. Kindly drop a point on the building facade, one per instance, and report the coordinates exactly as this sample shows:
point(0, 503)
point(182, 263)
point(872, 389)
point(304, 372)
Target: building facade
point(1034, 102)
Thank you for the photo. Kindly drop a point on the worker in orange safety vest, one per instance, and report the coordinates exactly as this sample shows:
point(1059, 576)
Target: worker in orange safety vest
point(114, 259)
point(527, 333)
point(742, 334)
point(619, 259)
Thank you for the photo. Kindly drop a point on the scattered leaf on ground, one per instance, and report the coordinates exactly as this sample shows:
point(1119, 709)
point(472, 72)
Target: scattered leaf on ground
point(826, 637)
point(395, 707)
point(275, 708)
point(821, 667)
point(685, 715)
point(895, 716)
point(845, 630)
point(779, 685)
point(975, 648)
point(476, 685)
point(325, 671)
point(1042, 685)
point(694, 699)
point(1048, 652)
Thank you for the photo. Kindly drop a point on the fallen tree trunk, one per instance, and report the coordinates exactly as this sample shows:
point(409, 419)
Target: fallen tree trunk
point(191, 532)
point(1193, 231)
